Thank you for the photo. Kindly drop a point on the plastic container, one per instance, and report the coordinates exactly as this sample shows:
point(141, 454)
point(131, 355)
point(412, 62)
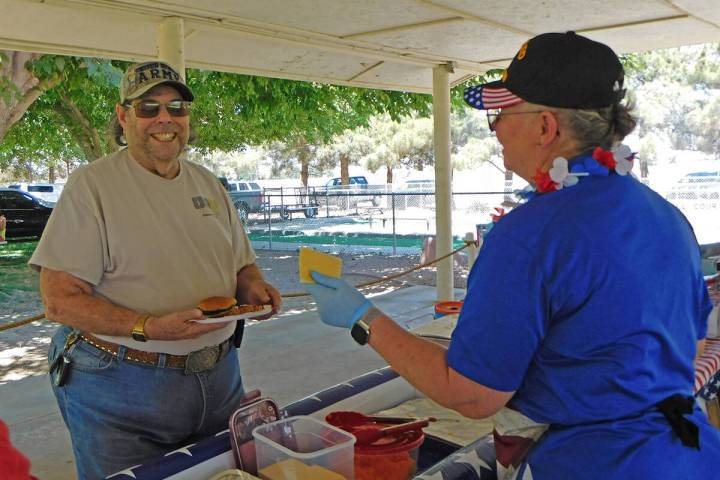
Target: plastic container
point(390, 458)
point(447, 308)
point(300, 448)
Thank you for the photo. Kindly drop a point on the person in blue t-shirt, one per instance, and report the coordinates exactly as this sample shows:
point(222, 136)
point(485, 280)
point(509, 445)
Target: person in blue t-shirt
point(586, 306)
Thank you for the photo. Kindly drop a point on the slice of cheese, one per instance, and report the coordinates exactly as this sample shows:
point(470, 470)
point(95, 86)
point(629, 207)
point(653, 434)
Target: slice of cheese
point(316, 472)
point(312, 260)
point(292, 469)
point(288, 469)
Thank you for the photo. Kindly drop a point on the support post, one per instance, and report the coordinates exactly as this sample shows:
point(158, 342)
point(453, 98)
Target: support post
point(171, 43)
point(443, 181)
point(472, 249)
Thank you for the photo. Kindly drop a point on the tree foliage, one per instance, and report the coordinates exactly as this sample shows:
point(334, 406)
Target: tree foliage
point(230, 111)
point(308, 128)
point(678, 93)
point(19, 86)
point(407, 143)
point(66, 124)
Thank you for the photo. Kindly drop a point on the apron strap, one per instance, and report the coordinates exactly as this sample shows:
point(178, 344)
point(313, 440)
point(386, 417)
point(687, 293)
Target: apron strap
point(674, 408)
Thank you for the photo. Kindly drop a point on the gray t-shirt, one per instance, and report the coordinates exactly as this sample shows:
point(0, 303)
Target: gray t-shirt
point(147, 243)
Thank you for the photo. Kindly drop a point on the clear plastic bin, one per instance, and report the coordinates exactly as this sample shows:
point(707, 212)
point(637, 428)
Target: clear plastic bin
point(285, 448)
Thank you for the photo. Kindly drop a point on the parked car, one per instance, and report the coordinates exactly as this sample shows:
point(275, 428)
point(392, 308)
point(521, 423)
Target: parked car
point(699, 190)
point(50, 192)
point(419, 186)
point(425, 187)
point(247, 196)
point(347, 196)
point(26, 215)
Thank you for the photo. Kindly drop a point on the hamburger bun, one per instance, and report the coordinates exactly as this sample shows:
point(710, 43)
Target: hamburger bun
point(217, 306)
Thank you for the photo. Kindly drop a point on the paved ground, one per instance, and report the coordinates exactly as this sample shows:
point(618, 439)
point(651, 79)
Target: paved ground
point(23, 349)
point(288, 357)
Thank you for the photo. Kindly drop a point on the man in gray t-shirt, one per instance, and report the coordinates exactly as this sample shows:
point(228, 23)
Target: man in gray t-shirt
point(136, 240)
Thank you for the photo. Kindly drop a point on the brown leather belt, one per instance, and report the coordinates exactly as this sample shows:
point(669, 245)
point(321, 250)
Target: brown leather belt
point(194, 362)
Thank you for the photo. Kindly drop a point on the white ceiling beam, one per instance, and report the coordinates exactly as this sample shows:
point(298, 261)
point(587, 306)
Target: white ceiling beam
point(632, 24)
point(475, 18)
point(70, 50)
point(403, 28)
point(699, 10)
point(364, 71)
point(307, 78)
point(270, 32)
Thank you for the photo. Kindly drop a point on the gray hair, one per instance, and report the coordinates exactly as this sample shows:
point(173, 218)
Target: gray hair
point(115, 131)
point(602, 127)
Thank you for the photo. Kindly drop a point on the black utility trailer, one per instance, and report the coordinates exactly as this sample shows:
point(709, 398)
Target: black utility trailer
point(286, 201)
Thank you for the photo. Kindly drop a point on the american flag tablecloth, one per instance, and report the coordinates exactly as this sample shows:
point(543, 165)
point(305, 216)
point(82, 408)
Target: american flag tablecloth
point(707, 369)
point(707, 376)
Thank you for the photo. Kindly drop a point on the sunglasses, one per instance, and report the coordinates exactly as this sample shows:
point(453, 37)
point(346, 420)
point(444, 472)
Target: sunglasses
point(151, 108)
point(494, 116)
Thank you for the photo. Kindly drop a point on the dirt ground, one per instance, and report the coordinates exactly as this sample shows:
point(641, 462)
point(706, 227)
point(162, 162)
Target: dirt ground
point(23, 349)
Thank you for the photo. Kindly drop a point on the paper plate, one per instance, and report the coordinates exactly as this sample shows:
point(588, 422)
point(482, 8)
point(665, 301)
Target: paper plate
point(266, 309)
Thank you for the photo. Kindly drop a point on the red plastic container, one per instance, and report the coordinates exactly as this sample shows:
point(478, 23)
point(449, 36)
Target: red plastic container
point(392, 457)
point(447, 308)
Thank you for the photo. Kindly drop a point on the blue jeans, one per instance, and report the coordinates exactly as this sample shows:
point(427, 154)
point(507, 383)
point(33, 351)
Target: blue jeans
point(121, 413)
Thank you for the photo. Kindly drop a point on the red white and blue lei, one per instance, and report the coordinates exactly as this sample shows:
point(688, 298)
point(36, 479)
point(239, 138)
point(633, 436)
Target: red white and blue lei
point(601, 163)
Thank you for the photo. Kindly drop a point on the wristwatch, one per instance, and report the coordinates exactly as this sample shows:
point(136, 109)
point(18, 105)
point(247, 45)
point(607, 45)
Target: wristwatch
point(361, 330)
point(138, 331)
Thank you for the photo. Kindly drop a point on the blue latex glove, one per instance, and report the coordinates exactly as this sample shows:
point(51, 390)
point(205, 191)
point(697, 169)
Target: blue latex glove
point(339, 303)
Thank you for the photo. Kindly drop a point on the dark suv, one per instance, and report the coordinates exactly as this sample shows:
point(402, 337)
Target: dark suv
point(26, 215)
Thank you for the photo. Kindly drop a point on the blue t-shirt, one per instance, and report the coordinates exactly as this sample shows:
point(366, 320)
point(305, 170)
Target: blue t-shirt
point(588, 302)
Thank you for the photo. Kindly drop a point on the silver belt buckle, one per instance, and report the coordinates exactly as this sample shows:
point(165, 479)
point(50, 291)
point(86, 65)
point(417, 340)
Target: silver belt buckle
point(202, 360)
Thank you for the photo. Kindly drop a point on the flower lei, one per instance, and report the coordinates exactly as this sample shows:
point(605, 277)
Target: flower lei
point(618, 160)
point(499, 213)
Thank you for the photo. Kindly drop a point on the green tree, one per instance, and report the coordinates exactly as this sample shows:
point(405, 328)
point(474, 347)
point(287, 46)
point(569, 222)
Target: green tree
point(677, 91)
point(408, 142)
point(66, 124)
point(346, 148)
point(230, 111)
point(690, 65)
point(19, 87)
point(292, 158)
point(705, 122)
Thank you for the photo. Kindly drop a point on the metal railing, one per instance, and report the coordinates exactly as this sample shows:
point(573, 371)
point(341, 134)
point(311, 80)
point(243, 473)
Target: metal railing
point(390, 217)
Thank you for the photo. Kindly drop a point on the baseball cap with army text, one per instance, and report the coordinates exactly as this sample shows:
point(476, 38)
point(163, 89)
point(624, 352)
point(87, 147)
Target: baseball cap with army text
point(141, 77)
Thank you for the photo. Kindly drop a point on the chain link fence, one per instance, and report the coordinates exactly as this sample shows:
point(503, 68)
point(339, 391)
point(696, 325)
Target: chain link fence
point(401, 219)
point(376, 218)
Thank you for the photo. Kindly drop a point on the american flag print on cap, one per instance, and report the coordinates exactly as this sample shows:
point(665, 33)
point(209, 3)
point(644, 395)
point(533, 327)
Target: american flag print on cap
point(485, 97)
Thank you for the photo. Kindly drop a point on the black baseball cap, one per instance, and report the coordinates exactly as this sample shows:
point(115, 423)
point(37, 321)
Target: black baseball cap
point(563, 70)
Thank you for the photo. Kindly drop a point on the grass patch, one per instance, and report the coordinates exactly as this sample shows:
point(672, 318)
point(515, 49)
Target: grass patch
point(15, 274)
point(360, 240)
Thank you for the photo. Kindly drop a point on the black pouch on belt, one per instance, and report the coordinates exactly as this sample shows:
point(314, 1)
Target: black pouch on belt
point(239, 331)
point(674, 408)
point(62, 363)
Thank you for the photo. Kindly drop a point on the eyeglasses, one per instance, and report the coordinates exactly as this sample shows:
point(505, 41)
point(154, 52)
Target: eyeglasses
point(151, 108)
point(494, 116)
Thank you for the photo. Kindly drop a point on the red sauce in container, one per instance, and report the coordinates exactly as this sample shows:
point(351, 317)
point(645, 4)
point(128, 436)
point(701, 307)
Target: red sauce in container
point(390, 458)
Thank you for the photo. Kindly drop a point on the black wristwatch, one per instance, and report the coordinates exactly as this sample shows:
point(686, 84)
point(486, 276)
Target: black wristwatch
point(361, 330)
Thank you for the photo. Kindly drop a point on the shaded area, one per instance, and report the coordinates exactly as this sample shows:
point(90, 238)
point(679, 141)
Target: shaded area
point(23, 350)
